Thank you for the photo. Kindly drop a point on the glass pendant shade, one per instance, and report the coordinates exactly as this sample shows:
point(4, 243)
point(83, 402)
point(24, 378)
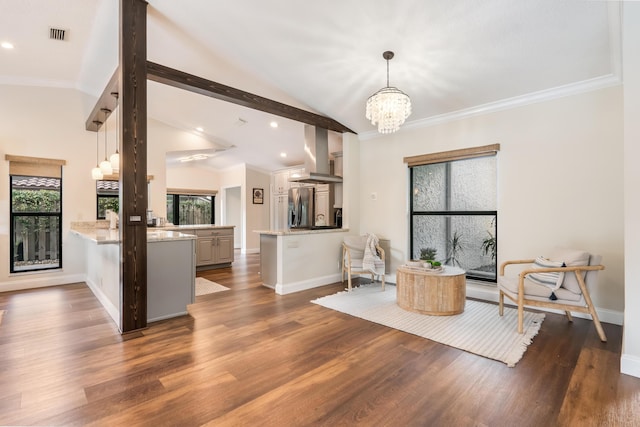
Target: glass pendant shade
point(389, 107)
point(115, 161)
point(96, 173)
point(105, 167)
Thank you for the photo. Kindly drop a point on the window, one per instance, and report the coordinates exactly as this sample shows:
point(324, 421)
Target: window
point(190, 207)
point(108, 197)
point(453, 211)
point(35, 213)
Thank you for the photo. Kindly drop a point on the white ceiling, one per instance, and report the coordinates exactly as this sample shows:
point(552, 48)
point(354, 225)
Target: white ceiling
point(452, 57)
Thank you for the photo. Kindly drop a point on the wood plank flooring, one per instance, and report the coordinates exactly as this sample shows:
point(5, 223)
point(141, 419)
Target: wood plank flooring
point(250, 357)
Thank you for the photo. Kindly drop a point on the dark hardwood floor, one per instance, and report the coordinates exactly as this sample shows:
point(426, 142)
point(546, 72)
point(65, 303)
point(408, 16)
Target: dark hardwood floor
point(250, 357)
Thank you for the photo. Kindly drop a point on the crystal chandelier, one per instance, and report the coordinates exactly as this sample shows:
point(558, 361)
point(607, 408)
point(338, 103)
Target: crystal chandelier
point(389, 107)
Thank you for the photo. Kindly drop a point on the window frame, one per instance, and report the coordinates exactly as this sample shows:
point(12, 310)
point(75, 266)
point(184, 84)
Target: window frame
point(448, 158)
point(175, 195)
point(113, 194)
point(14, 215)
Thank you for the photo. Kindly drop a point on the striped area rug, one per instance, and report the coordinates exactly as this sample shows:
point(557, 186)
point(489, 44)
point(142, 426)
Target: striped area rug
point(479, 329)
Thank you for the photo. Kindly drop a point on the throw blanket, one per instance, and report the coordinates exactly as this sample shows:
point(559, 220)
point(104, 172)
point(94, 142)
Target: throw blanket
point(371, 260)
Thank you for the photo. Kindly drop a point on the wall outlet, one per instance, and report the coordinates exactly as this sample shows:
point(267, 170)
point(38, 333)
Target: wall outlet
point(374, 196)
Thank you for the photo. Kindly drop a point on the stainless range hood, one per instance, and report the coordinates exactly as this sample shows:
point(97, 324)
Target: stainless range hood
point(317, 169)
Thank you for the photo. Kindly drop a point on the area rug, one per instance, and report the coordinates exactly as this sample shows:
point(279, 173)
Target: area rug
point(479, 329)
point(204, 286)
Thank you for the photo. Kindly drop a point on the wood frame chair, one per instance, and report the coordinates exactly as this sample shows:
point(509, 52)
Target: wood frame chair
point(522, 299)
point(348, 268)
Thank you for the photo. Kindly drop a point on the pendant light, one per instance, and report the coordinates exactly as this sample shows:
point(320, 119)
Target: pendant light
point(389, 107)
point(105, 165)
point(115, 157)
point(96, 173)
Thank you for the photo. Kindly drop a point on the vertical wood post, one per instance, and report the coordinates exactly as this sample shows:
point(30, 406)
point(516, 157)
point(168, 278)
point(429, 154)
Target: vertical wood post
point(133, 163)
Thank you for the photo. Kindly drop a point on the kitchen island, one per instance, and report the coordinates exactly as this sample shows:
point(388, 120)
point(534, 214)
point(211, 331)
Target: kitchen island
point(294, 260)
point(170, 270)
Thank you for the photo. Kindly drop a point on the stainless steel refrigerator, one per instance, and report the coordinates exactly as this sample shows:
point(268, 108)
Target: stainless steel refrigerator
point(301, 207)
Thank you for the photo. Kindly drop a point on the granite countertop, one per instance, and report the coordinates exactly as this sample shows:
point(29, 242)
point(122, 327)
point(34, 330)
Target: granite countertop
point(190, 227)
point(103, 236)
point(290, 232)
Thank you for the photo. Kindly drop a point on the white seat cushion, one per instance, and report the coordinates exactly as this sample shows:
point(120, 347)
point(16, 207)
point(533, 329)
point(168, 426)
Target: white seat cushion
point(531, 289)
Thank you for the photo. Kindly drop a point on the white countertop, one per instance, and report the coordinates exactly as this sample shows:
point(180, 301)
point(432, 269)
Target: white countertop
point(103, 236)
point(289, 232)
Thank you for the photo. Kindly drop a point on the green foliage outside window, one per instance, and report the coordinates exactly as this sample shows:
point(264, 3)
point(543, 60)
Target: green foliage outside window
point(35, 200)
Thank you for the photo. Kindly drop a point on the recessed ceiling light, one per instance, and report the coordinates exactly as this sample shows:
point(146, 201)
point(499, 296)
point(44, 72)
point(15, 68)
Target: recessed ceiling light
point(199, 129)
point(273, 124)
point(193, 158)
point(283, 154)
point(7, 45)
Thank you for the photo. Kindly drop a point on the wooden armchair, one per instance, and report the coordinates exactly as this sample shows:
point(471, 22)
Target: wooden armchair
point(353, 248)
point(572, 283)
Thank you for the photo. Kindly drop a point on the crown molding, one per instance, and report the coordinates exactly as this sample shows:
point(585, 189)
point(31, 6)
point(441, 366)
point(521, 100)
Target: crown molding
point(505, 104)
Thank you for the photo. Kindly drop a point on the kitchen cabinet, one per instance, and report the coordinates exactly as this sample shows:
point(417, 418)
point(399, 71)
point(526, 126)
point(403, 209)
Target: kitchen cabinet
point(280, 212)
point(323, 207)
point(338, 170)
point(294, 173)
point(281, 182)
point(214, 246)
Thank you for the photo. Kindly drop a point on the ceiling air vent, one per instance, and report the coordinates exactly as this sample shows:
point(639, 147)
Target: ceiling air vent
point(56, 34)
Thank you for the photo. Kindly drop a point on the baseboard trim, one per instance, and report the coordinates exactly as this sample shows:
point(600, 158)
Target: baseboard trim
point(34, 282)
point(630, 365)
point(111, 309)
point(283, 289)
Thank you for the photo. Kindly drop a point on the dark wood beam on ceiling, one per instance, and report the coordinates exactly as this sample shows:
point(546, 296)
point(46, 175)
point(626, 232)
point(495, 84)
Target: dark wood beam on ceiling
point(172, 77)
point(106, 100)
point(133, 163)
point(180, 79)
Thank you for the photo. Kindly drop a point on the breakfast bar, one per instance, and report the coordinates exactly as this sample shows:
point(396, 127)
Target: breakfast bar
point(170, 270)
point(289, 258)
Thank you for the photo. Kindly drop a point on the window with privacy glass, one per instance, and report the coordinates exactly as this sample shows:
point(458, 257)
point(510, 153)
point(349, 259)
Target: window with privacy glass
point(108, 197)
point(189, 209)
point(454, 216)
point(36, 218)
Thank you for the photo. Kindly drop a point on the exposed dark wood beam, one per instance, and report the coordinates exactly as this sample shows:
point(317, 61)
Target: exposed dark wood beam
point(180, 79)
point(133, 163)
point(106, 100)
point(176, 78)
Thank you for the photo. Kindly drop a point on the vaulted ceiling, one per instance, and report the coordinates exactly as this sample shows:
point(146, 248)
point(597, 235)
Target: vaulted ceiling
point(453, 58)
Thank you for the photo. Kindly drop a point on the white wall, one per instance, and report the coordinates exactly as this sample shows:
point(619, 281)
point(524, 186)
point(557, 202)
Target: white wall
point(560, 181)
point(48, 122)
point(630, 361)
point(233, 213)
point(257, 215)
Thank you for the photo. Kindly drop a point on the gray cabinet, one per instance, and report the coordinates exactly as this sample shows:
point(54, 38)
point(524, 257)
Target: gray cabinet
point(214, 246)
point(170, 278)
